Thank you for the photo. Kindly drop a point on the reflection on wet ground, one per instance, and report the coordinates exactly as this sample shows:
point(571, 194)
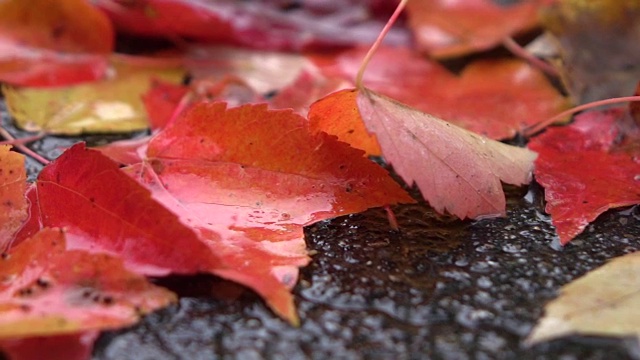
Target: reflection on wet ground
point(439, 288)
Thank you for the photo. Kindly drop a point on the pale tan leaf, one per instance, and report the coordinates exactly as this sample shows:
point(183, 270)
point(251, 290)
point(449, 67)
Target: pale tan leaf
point(604, 302)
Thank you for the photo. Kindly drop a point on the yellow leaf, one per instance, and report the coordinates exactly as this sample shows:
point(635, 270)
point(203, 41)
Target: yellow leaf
point(108, 106)
point(604, 302)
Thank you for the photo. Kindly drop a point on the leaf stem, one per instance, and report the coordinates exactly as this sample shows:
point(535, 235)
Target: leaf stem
point(393, 221)
point(23, 140)
point(522, 53)
point(376, 44)
point(19, 144)
point(541, 125)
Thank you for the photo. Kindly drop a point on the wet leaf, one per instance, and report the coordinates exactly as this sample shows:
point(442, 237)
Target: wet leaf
point(454, 28)
point(337, 114)
point(583, 172)
point(261, 25)
point(118, 216)
point(604, 302)
point(45, 43)
point(49, 290)
point(13, 183)
point(457, 171)
point(496, 98)
point(249, 196)
point(113, 105)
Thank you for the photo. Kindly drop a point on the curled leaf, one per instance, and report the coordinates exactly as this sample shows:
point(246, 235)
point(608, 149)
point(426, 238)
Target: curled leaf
point(457, 171)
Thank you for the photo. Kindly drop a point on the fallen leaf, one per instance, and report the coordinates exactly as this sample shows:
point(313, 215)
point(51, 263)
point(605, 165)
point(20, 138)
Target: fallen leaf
point(47, 43)
point(60, 347)
point(112, 105)
point(496, 98)
point(264, 71)
point(164, 102)
point(305, 90)
point(454, 28)
point(583, 172)
point(604, 302)
point(161, 102)
point(49, 290)
point(457, 171)
point(249, 196)
point(119, 216)
point(262, 25)
point(337, 114)
point(13, 183)
point(126, 152)
point(584, 30)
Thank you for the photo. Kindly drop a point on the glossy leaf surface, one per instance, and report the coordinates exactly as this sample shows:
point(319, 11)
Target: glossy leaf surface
point(249, 196)
point(118, 216)
point(457, 171)
point(49, 290)
point(583, 172)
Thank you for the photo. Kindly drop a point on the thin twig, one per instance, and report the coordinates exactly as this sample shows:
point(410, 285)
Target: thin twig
point(376, 44)
point(393, 221)
point(532, 130)
point(23, 140)
point(522, 53)
point(19, 144)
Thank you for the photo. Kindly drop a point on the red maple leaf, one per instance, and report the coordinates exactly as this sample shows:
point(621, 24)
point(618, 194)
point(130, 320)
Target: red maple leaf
point(248, 197)
point(118, 216)
point(584, 172)
point(50, 290)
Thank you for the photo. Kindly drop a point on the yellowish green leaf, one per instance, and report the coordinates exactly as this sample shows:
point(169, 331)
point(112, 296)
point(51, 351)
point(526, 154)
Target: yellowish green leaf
point(108, 106)
point(604, 302)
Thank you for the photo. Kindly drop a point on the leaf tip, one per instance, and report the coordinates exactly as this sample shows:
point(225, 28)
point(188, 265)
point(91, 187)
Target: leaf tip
point(547, 329)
